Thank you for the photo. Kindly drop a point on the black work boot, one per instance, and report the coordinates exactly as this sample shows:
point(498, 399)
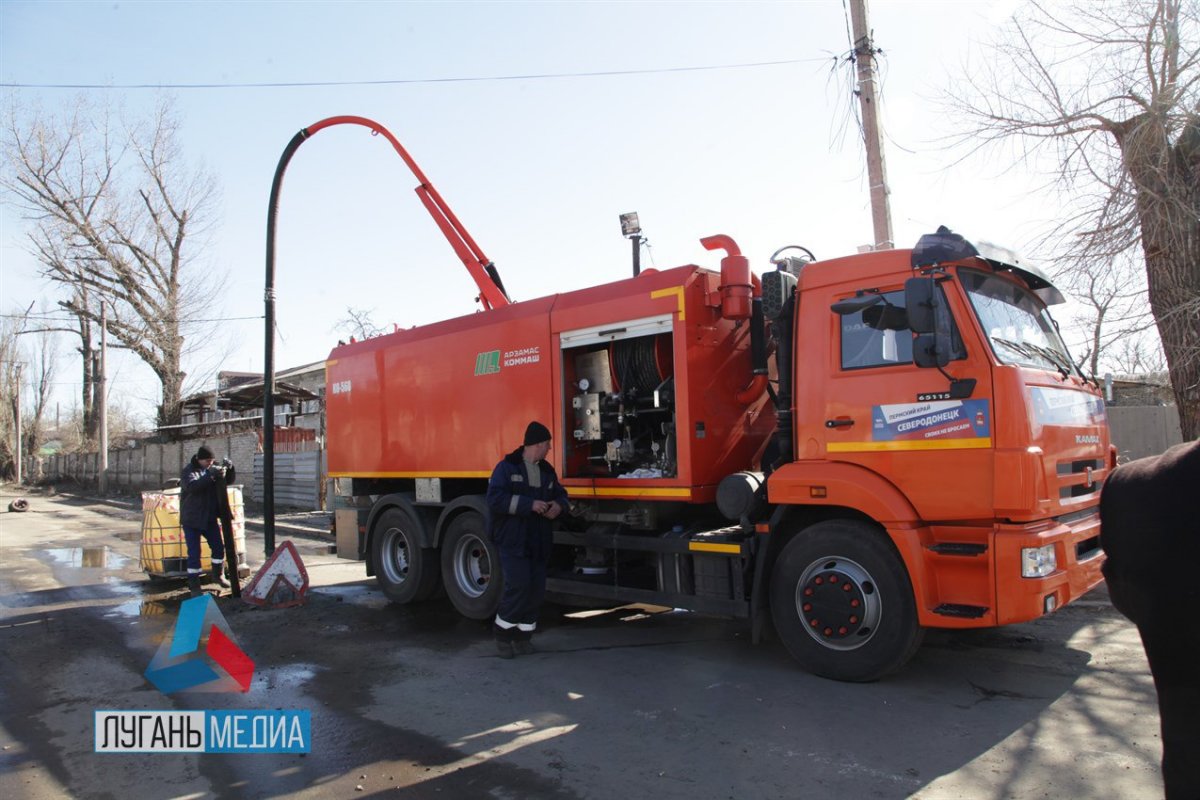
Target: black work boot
point(216, 576)
point(194, 585)
point(523, 643)
point(504, 641)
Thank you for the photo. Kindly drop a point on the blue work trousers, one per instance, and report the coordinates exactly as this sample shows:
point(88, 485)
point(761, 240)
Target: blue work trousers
point(524, 589)
point(192, 535)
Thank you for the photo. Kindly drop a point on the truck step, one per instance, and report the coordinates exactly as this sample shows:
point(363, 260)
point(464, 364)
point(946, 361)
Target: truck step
point(731, 540)
point(959, 548)
point(958, 610)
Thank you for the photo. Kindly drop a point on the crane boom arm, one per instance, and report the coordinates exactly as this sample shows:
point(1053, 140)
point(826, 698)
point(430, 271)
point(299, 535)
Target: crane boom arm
point(482, 270)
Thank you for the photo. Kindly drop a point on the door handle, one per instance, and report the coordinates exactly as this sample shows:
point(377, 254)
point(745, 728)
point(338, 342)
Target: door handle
point(840, 422)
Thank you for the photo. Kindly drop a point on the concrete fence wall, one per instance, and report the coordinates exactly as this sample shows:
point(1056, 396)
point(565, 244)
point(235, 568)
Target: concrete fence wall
point(1140, 431)
point(151, 466)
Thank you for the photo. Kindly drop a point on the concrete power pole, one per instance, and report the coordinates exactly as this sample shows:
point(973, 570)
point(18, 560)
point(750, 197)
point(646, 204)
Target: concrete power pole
point(17, 421)
point(102, 404)
point(868, 84)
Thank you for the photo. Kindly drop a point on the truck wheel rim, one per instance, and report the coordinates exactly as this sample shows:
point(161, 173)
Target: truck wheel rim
point(472, 567)
point(395, 556)
point(838, 603)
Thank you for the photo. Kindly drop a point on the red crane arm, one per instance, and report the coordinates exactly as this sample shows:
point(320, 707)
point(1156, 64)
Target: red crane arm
point(491, 291)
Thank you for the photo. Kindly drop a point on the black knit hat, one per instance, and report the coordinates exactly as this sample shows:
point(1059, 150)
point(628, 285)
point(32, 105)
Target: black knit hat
point(203, 453)
point(536, 433)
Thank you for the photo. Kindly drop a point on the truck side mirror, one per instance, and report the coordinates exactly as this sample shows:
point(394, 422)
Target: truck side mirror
point(929, 318)
point(921, 299)
point(931, 350)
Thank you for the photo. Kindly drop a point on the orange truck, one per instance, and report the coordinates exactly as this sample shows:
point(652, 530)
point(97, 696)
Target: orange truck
point(854, 450)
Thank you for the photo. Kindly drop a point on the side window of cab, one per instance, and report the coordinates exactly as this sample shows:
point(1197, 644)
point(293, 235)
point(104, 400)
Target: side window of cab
point(879, 336)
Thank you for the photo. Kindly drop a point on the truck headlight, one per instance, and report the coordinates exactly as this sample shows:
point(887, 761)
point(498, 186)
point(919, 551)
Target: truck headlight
point(1038, 562)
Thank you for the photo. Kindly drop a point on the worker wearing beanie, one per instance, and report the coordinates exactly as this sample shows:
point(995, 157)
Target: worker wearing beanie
point(524, 496)
point(198, 509)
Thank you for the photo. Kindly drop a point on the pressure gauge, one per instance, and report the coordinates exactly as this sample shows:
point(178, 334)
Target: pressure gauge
point(584, 383)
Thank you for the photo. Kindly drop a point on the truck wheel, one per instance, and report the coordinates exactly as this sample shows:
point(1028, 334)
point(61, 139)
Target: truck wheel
point(471, 567)
point(406, 571)
point(842, 602)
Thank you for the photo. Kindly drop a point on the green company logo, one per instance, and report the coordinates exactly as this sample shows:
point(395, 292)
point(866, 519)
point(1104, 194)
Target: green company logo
point(487, 363)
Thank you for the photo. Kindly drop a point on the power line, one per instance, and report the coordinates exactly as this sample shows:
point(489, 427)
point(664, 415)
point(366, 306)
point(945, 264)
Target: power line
point(402, 81)
point(36, 318)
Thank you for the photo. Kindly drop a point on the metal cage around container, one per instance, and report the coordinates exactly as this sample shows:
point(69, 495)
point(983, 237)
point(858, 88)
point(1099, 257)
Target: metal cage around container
point(163, 551)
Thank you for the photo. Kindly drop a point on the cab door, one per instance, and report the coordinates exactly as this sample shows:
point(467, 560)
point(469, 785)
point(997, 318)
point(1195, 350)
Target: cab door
point(899, 420)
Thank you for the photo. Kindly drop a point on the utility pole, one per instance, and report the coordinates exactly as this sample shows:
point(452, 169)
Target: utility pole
point(102, 400)
point(864, 57)
point(17, 420)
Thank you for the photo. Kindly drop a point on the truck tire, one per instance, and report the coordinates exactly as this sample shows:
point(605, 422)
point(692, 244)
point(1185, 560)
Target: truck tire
point(406, 572)
point(471, 567)
point(842, 602)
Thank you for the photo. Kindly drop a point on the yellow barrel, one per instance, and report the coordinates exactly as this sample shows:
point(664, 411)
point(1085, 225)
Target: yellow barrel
point(164, 550)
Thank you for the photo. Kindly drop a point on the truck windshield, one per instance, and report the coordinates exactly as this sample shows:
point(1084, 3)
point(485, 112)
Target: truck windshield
point(1017, 324)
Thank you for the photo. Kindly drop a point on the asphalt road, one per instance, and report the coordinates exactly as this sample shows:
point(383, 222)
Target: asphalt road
point(412, 701)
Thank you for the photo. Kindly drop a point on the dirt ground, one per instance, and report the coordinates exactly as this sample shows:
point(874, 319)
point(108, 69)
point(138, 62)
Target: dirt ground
point(413, 702)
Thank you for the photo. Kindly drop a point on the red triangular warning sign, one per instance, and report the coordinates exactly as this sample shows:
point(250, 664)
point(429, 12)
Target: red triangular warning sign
point(281, 582)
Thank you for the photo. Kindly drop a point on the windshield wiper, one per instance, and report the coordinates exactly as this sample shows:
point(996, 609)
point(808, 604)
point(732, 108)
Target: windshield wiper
point(1030, 350)
point(1055, 357)
point(1016, 347)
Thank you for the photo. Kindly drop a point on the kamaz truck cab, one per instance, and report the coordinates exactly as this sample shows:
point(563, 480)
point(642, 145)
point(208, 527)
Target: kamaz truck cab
point(935, 399)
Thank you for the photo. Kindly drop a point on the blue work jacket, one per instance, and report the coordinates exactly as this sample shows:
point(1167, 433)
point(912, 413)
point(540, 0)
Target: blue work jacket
point(198, 502)
point(515, 528)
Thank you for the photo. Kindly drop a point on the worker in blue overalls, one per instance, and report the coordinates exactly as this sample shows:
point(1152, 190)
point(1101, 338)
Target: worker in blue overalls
point(524, 496)
point(199, 506)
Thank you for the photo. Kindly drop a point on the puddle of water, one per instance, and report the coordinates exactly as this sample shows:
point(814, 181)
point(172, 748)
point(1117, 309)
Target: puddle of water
point(81, 566)
point(142, 608)
point(99, 557)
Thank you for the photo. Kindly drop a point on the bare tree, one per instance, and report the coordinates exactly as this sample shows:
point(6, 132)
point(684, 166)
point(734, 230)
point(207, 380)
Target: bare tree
point(11, 367)
point(1110, 91)
point(42, 370)
point(28, 366)
point(1134, 356)
point(1115, 318)
point(358, 323)
point(116, 215)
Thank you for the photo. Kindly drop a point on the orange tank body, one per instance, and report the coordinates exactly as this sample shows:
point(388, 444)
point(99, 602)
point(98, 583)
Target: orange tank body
point(449, 399)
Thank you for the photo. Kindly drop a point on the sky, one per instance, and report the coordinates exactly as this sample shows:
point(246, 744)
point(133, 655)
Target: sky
point(537, 168)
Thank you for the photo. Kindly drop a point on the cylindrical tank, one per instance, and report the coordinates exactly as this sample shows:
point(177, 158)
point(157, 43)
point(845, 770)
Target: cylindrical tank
point(737, 494)
point(164, 550)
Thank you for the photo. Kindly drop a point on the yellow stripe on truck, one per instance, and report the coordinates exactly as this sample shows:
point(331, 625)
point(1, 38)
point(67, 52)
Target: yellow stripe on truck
point(410, 474)
point(875, 447)
point(631, 491)
point(705, 547)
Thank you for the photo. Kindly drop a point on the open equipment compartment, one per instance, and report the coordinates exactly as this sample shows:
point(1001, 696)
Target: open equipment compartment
point(619, 392)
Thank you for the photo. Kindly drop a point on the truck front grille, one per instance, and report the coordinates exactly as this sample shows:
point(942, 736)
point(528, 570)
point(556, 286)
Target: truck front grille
point(1092, 469)
point(1087, 548)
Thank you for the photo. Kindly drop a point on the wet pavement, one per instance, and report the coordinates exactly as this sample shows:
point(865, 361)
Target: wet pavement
point(413, 702)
